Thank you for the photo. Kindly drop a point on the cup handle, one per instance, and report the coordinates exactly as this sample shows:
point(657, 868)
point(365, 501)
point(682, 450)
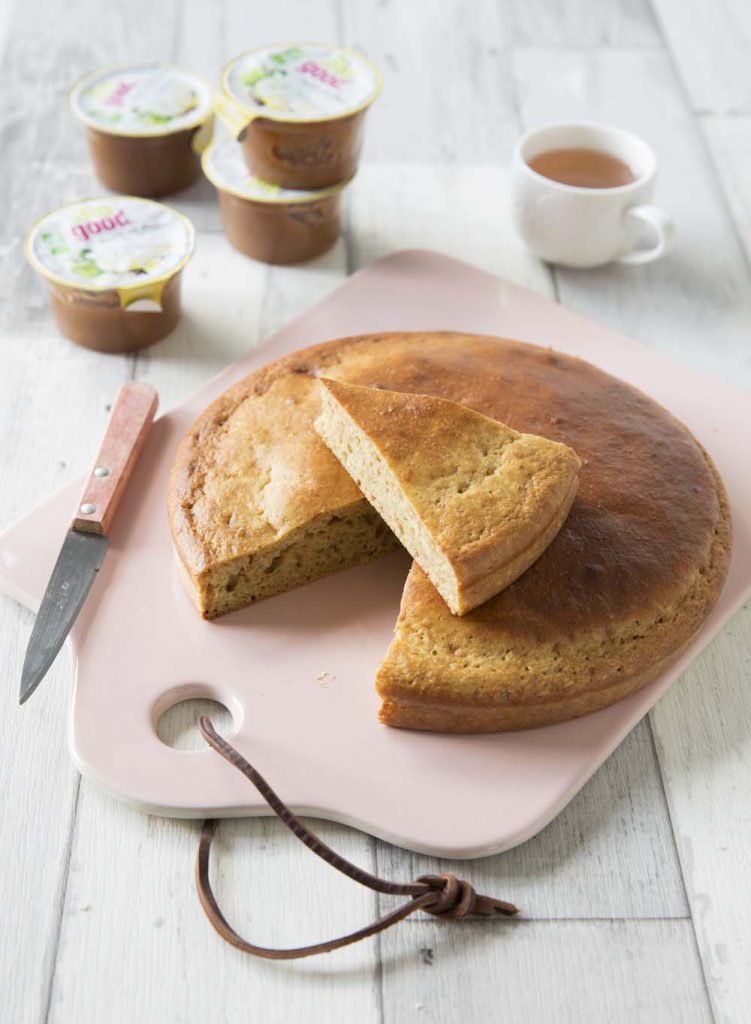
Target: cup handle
point(234, 114)
point(662, 226)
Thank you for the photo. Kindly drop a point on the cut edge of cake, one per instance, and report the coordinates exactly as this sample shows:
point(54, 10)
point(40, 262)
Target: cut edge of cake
point(330, 543)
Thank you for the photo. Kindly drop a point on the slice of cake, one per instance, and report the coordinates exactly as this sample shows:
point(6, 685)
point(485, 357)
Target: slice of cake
point(474, 502)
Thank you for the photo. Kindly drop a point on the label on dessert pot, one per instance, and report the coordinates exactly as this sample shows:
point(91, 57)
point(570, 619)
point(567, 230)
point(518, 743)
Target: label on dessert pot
point(115, 242)
point(146, 99)
point(224, 165)
point(302, 81)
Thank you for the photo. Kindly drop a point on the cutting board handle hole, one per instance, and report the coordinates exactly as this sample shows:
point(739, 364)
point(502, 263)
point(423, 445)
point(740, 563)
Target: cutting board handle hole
point(176, 726)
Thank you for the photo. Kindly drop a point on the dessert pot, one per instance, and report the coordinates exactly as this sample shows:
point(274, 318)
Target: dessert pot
point(265, 221)
point(299, 110)
point(146, 125)
point(113, 269)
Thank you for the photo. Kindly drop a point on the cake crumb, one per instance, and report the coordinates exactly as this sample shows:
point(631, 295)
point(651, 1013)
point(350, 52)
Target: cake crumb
point(324, 678)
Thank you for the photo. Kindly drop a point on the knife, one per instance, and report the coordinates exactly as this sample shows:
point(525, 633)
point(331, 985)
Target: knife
point(86, 542)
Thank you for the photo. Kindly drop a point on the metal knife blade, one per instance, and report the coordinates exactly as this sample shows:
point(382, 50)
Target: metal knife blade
point(86, 542)
point(77, 565)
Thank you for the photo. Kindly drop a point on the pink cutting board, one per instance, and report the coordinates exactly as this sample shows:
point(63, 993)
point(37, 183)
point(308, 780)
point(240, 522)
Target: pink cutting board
point(139, 645)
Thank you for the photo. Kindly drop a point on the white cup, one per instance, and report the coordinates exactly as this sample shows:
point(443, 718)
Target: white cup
point(587, 227)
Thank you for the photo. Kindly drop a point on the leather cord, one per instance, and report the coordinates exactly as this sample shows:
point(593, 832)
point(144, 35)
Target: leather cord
point(441, 895)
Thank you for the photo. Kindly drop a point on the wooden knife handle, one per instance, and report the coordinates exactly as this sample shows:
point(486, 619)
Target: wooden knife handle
point(131, 417)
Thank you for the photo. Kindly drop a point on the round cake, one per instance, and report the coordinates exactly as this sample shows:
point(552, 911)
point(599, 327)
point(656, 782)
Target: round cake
point(258, 504)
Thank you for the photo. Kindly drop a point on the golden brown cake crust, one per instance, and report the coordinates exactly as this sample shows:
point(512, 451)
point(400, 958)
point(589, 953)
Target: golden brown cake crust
point(473, 501)
point(632, 574)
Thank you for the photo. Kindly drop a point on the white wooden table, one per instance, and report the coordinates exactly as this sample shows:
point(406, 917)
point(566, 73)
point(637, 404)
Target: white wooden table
point(637, 903)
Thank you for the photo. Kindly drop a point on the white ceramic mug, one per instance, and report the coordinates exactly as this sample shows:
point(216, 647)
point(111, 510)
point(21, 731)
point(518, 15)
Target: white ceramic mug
point(587, 227)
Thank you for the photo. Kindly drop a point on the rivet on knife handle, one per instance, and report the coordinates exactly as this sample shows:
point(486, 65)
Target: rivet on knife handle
point(132, 414)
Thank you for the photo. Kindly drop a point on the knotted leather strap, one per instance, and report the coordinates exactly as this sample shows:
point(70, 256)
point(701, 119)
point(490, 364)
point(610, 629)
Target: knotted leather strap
point(441, 895)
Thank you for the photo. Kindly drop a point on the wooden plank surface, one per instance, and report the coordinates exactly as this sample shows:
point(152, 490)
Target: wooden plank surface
point(636, 896)
point(710, 44)
point(569, 972)
point(429, 111)
point(135, 945)
point(580, 23)
point(703, 736)
point(729, 142)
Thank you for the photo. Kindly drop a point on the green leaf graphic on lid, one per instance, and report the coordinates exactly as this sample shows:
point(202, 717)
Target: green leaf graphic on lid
point(285, 56)
point(256, 75)
point(182, 105)
point(54, 241)
point(151, 118)
point(105, 116)
point(84, 265)
point(273, 65)
point(339, 64)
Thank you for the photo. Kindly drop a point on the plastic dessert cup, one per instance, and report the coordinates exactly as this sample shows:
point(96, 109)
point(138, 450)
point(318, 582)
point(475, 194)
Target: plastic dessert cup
point(113, 269)
point(265, 221)
point(298, 109)
point(147, 125)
